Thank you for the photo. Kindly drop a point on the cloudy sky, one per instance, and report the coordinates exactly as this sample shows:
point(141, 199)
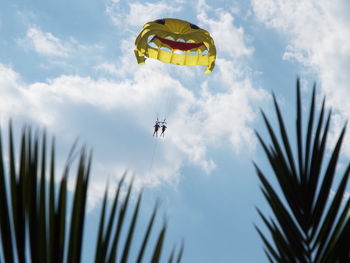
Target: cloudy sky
point(69, 66)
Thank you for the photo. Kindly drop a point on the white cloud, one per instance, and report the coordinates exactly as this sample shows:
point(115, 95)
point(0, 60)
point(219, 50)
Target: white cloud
point(138, 13)
point(115, 115)
point(229, 39)
point(45, 43)
point(318, 34)
point(10, 85)
point(116, 118)
point(60, 53)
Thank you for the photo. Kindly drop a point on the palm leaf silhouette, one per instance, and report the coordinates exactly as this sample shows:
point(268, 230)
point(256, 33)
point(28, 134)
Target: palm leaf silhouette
point(306, 226)
point(34, 219)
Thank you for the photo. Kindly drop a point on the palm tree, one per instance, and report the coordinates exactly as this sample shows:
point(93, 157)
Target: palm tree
point(306, 226)
point(34, 212)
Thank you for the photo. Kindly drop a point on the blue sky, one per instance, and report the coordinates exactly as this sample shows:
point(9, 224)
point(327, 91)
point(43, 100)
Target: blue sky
point(69, 66)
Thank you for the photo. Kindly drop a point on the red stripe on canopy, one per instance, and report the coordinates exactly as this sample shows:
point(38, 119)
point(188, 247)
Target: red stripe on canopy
point(179, 45)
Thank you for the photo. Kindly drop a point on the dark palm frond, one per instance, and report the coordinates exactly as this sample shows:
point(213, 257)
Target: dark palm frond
point(181, 252)
point(147, 234)
point(158, 247)
point(108, 240)
point(171, 257)
point(306, 226)
point(34, 223)
point(176, 258)
point(6, 228)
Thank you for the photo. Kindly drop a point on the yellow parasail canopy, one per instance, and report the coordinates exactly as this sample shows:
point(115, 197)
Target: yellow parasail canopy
point(175, 41)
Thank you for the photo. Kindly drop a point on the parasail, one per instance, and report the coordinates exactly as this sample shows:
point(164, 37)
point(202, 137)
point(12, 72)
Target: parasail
point(175, 41)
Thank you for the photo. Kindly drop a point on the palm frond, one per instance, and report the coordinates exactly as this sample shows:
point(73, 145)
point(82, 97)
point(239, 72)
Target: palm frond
point(306, 226)
point(34, 223)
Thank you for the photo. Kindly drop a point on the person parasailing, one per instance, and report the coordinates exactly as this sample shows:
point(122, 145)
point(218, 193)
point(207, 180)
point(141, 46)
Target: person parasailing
point(163, 128)
point(156, 127)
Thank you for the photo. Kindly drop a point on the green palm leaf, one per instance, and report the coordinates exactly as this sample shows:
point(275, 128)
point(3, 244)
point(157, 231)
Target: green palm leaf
point(306, 226)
